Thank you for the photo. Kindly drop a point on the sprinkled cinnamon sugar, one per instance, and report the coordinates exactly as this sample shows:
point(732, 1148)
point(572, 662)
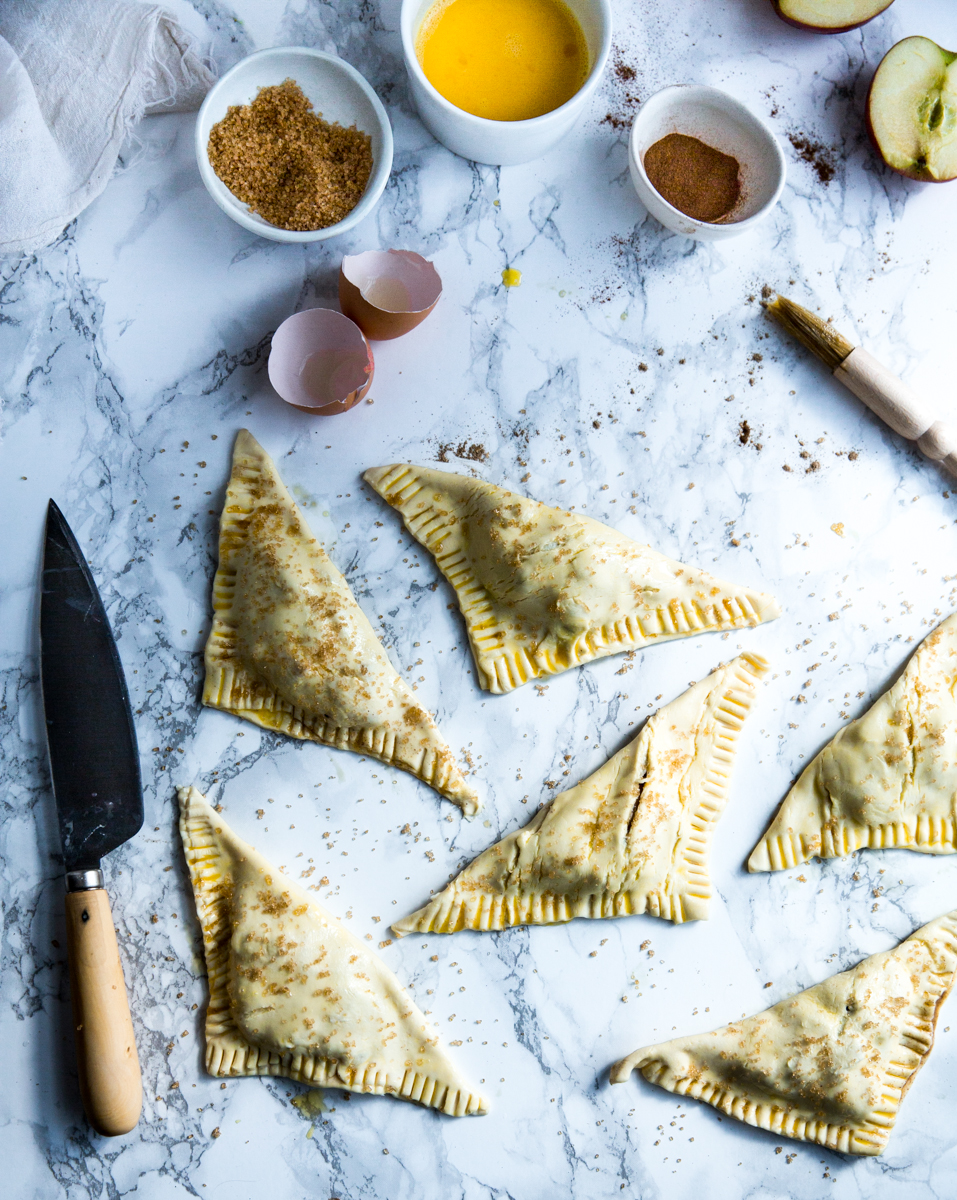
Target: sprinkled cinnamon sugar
point(294, 169)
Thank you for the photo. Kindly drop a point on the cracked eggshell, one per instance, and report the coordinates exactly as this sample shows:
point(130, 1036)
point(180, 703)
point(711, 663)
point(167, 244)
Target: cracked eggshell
point(388, 292)
point(320, 362)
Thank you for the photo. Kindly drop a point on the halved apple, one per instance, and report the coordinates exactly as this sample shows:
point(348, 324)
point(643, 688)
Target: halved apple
point(829, 16)
point(912, 110)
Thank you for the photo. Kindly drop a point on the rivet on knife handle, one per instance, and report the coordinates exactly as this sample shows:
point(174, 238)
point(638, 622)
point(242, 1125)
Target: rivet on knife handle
point(110, 1081)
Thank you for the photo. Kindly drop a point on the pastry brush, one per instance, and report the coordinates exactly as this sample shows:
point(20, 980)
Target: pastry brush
point(881, 390)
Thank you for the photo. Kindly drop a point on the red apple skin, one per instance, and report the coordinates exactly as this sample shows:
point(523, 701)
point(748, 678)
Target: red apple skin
point(818, 29)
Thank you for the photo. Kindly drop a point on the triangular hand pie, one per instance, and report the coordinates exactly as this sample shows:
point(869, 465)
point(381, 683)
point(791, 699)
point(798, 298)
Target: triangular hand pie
point(632, 838)
point(543, 590)
point(888, 779)
point(829, 1065)
point(291, 650)
point(294, 993)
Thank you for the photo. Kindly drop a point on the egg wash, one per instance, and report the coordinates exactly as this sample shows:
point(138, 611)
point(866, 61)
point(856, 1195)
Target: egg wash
point(506, 60)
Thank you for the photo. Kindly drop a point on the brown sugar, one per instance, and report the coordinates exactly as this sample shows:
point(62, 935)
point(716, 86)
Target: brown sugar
point(475, 452)
point(290, 166)
point(694, 177)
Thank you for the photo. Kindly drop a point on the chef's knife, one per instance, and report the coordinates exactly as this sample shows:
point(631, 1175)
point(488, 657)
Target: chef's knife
point(96, 784)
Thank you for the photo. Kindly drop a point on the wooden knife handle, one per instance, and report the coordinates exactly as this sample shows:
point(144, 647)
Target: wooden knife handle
point(110, 1081)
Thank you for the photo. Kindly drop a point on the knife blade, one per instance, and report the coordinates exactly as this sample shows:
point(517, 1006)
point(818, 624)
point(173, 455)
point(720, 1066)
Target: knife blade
point(94, 764)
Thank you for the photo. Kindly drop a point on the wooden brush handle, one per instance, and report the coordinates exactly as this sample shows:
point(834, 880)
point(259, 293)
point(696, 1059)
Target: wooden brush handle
point(899, 406)
point(110, 1081)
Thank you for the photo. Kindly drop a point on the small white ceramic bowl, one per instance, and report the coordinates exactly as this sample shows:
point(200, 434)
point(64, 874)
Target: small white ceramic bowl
point(336, 90)
point(724, 123)
point(503, 143)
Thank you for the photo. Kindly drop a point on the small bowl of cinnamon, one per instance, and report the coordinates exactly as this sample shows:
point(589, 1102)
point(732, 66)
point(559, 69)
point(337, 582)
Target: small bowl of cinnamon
point(703, 164)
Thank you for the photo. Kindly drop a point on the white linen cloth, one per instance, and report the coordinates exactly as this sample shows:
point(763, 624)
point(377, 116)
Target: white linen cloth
point(75, 76)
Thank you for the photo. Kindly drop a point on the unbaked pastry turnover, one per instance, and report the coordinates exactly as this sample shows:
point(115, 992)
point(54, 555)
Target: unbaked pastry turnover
point(632, 838)
point(543, 590)
point(294, 993)
point(829, 1065)
point(291, 650)
point(888, 779)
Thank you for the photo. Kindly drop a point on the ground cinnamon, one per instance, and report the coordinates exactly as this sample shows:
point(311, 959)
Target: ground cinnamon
point(694, 177)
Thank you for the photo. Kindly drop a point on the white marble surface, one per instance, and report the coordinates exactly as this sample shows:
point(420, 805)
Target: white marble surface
point(132, 351)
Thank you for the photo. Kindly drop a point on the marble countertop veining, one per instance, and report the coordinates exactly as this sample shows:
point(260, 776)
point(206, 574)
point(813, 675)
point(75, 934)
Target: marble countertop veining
point(633, 375)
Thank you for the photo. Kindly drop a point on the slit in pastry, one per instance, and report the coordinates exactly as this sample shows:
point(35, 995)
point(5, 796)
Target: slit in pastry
point(830, 1065)
point(632, 838)
point(886, 780)
point(292, 651)
point(292, 992)
point(542, 590)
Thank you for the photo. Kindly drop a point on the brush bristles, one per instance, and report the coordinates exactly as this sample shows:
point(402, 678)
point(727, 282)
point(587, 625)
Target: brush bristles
point(829, 346)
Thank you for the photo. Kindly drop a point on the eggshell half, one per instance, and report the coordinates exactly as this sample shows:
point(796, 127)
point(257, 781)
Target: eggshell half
point(388, 292)
point(320, 362)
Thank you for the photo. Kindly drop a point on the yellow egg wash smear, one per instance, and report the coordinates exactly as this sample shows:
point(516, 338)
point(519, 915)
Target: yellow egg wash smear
point(507, 60)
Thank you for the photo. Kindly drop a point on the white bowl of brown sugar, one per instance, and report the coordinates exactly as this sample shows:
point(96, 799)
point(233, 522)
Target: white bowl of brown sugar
point(703, 164)
point(294, 144)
